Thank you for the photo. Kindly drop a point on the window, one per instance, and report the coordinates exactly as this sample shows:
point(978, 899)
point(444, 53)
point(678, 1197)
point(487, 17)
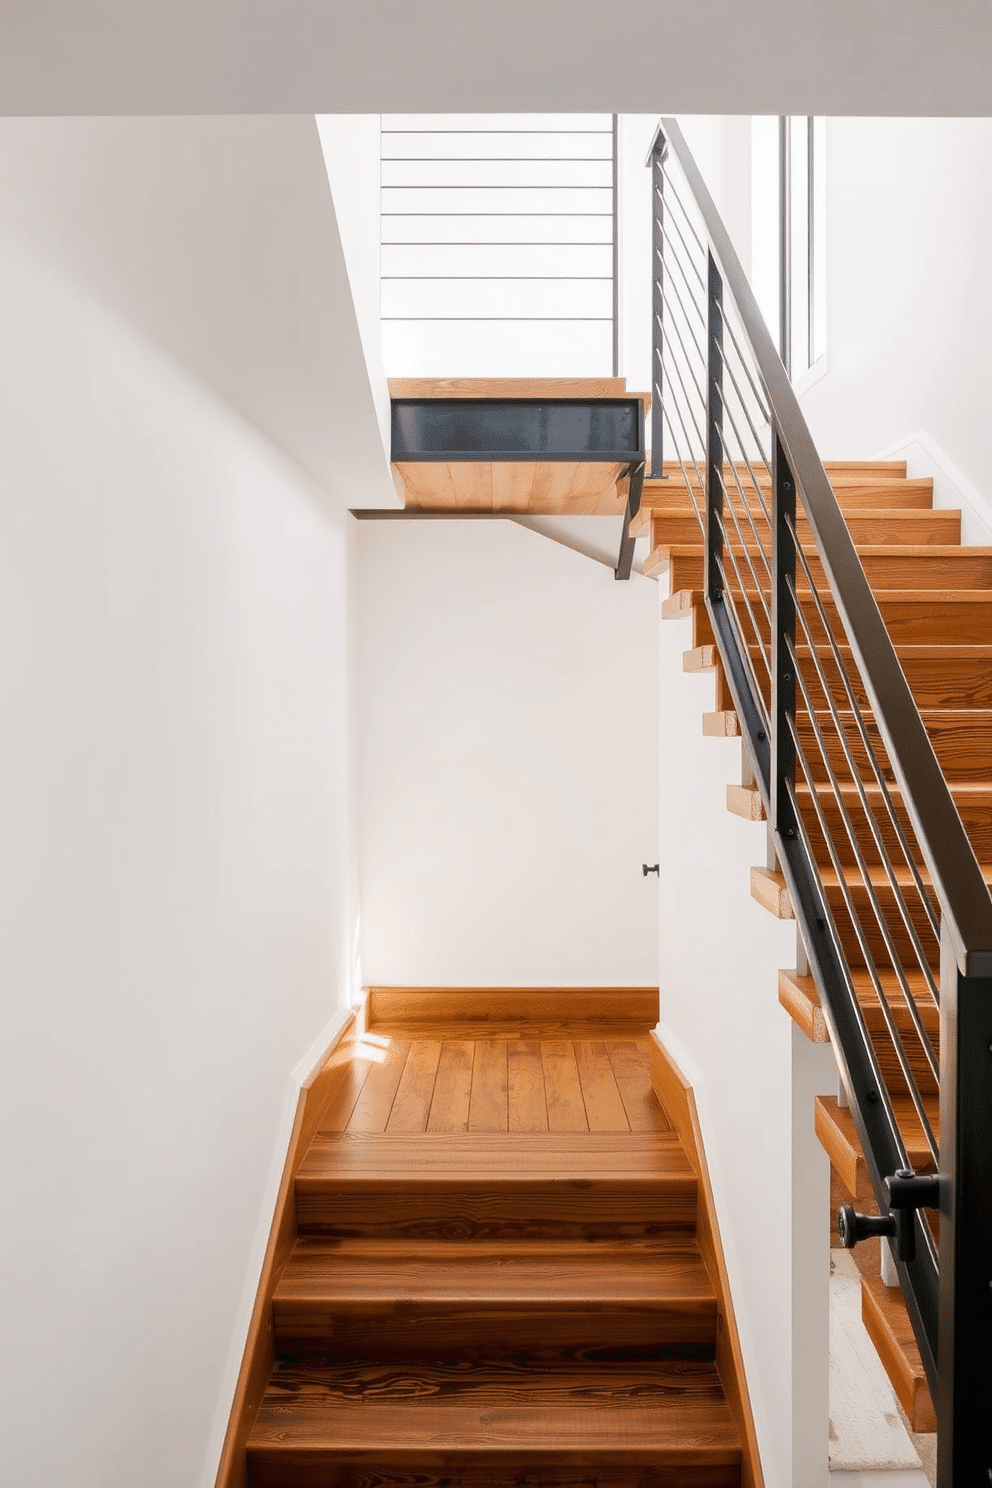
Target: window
point(788, 179)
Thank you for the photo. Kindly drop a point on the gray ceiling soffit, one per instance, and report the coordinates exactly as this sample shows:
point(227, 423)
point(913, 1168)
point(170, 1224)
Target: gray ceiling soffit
point(882, 57)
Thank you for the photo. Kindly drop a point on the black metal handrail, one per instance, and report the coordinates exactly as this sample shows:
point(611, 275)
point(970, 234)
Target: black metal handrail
point(866, 916)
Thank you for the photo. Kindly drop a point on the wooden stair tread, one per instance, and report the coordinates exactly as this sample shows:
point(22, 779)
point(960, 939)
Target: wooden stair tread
point(664, 1414)
point(838, 1136)
point(490, 1158)
point(579, 1273)
point(887, 1323)
point(570, 1300)
point(801, 1000)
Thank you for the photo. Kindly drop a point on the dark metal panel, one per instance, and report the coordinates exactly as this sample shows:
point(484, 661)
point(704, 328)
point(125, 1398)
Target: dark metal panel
point(438, 429)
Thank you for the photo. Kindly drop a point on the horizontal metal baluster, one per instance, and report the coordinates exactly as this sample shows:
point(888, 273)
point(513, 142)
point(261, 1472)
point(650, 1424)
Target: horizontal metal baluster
point(747, 505)
point(880, 918)
point(685, 350)
point(675, 193)
point(856, 776)
point(728, 595)
point(674, 364)
point(854, 839)
point(729, 327)
point(677, 259)
point(695, 492)
point(744, 547)
point(869, 747)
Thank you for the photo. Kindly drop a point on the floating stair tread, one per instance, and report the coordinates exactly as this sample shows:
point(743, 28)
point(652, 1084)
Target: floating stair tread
point(838, 1136)
point(414, 1416)
point(887, 1324)
point(799, 996)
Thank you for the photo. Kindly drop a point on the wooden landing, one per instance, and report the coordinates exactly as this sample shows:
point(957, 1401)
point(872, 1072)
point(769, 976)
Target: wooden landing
point(497, 1278)
point(545, 488)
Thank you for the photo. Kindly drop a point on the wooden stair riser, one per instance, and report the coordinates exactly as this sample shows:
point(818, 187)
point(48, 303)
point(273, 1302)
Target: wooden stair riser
point(974, 807)
point(870, 927)
point(586, 1209)
point(961, 742)
point(544, 1301)
point(768, 888)
point(269, 1472)
point(938, 676)
point(676, 528)
point(959, 568)
point(891, 495)
point(959, 619)
point(490, 1424)
point(795, 991)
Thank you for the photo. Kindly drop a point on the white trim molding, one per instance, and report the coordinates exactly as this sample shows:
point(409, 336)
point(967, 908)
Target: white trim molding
point(924, 457)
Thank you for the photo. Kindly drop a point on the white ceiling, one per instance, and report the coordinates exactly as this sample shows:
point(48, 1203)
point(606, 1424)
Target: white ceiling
point(312, 56)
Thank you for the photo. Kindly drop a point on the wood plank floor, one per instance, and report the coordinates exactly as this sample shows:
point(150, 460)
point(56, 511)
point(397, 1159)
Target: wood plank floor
point(414, 1084)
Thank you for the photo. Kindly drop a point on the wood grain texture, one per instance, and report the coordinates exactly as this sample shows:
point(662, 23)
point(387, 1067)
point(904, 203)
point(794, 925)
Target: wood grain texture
point(452, 1087)
point(412, 1104)
point(259, 1355)
point(496, 1185)
point(887, 1323)
point(372, 1109)
point(488, 1105)
point(521, 1005)
point(665, 1414)
point(508, 387)
point(465, 1300)
point(834, 1126)
point(563, 1092)
point(676, 1096)
point(631, 1064)
point(605, 1110)
point(527, 1107)
point(768, 887)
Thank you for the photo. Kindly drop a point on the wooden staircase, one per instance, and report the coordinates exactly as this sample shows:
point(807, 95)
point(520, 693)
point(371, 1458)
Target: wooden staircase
point(936, 598)
point(504, 1271)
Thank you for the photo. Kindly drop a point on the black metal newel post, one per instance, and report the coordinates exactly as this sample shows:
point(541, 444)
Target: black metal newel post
point(714, 433)
point(783, 640)
point(657, 307)
point(964, 1349)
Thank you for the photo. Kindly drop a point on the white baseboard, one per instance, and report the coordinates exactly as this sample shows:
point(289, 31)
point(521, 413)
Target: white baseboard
point(300, 1077)
point(321, 1047)
point(924, 457)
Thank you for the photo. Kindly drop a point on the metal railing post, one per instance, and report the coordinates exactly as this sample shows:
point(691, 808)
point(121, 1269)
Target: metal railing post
point(783, 707)
point(616, 251)
point(964, 1380)
point(714, 433)
point(657, 307)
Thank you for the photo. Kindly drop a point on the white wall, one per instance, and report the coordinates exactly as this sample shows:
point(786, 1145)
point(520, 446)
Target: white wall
point(173, 880)
point(351, 147)
point(508, 725)
point(720, 1017)
point(909, 293)
point(216, 238)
